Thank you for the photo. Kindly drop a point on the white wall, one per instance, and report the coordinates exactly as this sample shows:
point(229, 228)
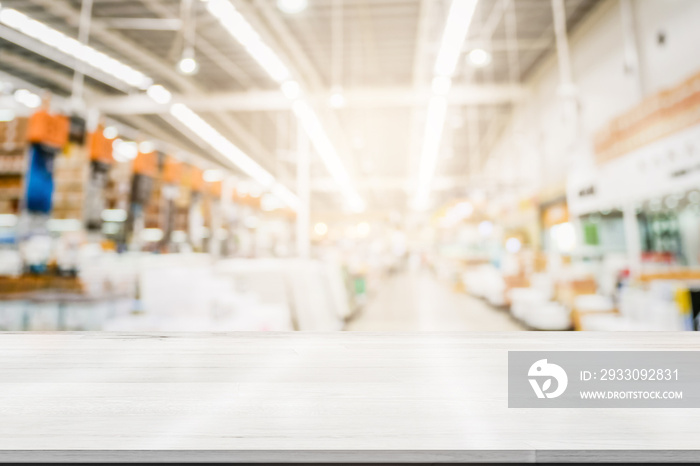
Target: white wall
point(536, 149)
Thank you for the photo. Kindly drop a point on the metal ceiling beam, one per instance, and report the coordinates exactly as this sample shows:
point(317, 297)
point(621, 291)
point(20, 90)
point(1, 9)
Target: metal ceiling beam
point(207, 48)
point(149, 24)
point(57, 56)
point(373, 98)
point(152, 62)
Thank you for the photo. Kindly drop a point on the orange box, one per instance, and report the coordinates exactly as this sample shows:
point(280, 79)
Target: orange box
point(146, 164)
point(172, 170)
point(214, 188)
point(196, 179)
point(51, 130)
point(100, 147)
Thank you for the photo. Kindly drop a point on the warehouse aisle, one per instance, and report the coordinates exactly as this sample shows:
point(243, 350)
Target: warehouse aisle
point(419, 302)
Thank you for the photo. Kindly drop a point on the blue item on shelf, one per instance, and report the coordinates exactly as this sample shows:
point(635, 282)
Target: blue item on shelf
point(39, 181)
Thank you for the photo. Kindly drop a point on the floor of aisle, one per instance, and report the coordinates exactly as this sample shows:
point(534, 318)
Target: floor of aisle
point(418, 301)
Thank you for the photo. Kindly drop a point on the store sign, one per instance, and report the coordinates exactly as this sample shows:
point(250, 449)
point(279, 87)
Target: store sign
point(667, 166)
point(657, 117)
point(587, 191)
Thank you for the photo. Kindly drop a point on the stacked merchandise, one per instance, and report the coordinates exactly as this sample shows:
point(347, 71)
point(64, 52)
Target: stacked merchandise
point(181, 203)
point(148, 165)
point(13, 150)
point(118, 186)
point(71, 173)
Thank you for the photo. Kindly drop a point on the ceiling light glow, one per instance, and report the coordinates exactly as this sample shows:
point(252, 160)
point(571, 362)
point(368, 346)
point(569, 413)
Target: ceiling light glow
point(479, 58)
point(291, 89)
point(292, 7)
point(110, 132)
point(86, 54)
point(159, 94)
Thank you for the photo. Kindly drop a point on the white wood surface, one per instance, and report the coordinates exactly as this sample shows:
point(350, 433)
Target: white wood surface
point(309, 391)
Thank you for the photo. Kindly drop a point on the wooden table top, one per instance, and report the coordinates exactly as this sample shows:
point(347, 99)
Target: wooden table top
point(319, 392)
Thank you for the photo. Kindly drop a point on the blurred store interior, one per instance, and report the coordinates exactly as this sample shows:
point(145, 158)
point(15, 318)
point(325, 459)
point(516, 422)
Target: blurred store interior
point(357, 165)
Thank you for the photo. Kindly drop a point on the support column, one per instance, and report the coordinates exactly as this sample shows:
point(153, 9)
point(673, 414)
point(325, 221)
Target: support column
point(634, 243)
point(567, 88)
point(83, 35)
point(632, 59)
point(304, 193)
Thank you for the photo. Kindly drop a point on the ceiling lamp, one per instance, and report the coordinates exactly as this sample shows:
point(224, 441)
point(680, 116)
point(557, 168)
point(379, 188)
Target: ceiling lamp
point(479, 58)
point(292, 7)
point(110, 132)
point(187, 64)
point(337, 99)
point(146, 147)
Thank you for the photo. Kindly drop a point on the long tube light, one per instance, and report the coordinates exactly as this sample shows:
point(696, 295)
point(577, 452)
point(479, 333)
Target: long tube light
point(86, 54)
point(216, 140)
point(245, 34)
point(437, 108)
point(312, 127)
point(456, 28)
point(241, 30)
point(71, 47)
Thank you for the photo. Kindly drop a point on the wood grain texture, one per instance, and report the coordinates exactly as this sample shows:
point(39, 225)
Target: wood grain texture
point(309, 391)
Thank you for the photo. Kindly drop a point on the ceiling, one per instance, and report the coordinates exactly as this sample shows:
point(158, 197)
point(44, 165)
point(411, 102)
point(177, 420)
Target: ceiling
point(381, 52)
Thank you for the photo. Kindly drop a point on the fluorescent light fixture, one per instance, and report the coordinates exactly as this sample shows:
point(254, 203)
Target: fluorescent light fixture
point(312, 127)
point(212, 175)
point(146, 147)
point(337, 100)
point(234, 22)
point(8, 220)
point(458, 21)
point(84, 53)
point(151, 234)
point(63, 225)
point(291, 89)
point(27, 98)
point(7, 114)
point(113, 215)
point(159, 94)
point(441, 85)
point(222, 145)
point(430, 148)
point(250, 167)
point(479, 58)
point(292, 6)
point(110, 132)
